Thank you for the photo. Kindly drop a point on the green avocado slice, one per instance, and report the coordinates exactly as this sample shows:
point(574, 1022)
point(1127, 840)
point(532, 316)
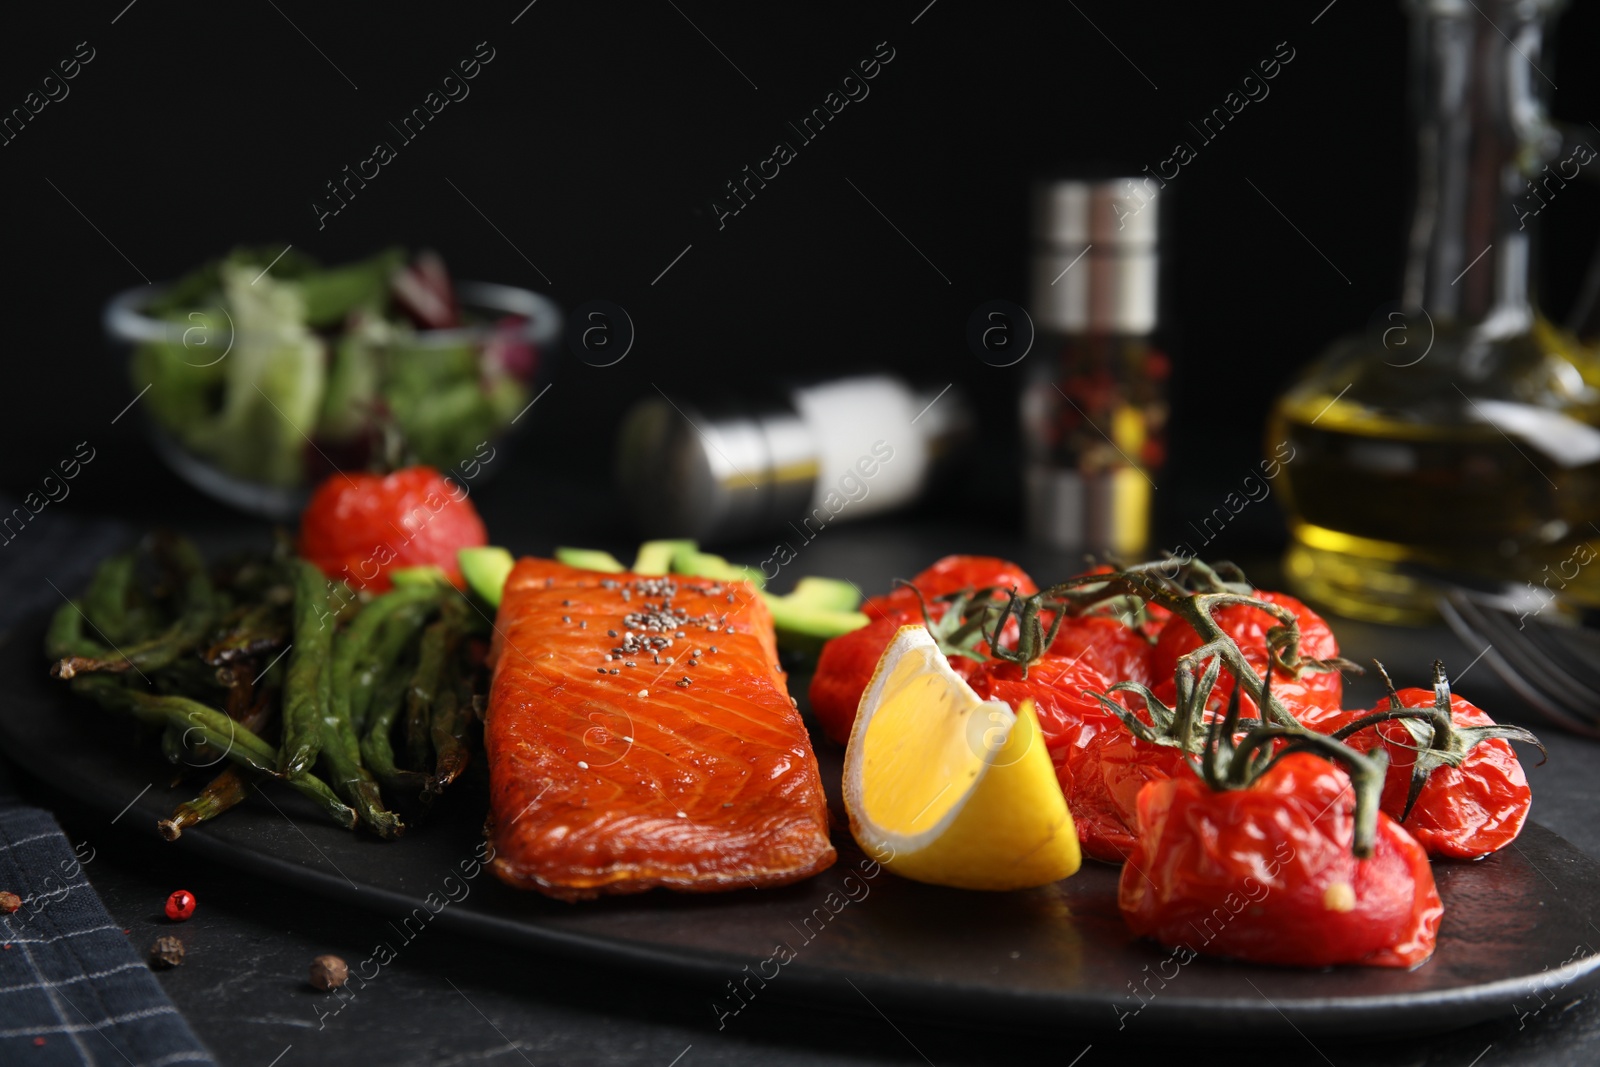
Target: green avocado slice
point(655, 557)
point(486, 569)
point(589, 559)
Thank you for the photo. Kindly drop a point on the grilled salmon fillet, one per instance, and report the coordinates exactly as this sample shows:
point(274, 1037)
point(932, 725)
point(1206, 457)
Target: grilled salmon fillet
point(639, 734)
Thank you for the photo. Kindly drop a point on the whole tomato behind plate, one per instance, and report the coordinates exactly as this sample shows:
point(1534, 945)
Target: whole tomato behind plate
point(361, 526)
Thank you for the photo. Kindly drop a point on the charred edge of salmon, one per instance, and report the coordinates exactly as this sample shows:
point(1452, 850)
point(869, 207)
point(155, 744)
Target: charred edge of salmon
point(624, 882)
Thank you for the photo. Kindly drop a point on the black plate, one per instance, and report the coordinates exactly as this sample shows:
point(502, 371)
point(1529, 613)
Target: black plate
point(1514, 931)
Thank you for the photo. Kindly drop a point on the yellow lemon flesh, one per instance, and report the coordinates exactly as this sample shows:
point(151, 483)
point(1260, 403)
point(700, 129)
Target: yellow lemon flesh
point(944, 787)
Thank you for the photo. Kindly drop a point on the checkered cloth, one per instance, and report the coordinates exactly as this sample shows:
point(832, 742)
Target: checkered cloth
point(72, 991)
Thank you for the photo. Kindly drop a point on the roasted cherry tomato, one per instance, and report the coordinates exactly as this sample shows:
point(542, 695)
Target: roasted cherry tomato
point(951, 575)
point(1155, 621)
point(1155, 616)
point(1058, 686)
point(1099, 763)
point(1463, 811)
point(359, 527)
point(846, 664)
point(1266, 873)
point(1311, 697)
point(1102, 779)
point(1119, 652)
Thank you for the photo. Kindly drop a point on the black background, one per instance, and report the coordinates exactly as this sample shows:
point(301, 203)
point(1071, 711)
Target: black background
point(596, 139)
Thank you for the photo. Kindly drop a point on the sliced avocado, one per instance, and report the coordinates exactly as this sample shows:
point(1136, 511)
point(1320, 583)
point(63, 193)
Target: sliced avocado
point(826, 594)
point(655, 557)
point(589, 559)
point(794, 617)
point(486, 570)
point(707, 565)
point(428, 574)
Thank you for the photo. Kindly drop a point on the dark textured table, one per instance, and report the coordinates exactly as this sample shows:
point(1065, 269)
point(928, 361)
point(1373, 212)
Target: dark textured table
point(446, 1000)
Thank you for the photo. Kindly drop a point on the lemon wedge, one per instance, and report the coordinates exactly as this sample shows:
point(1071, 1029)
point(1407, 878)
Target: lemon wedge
point(944, 787)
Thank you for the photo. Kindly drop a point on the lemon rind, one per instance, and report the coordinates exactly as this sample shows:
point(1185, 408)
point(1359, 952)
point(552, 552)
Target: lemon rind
point(1057, 856)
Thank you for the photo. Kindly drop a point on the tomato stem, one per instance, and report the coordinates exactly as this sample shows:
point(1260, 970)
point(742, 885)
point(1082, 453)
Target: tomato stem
point(1445, 744)
point(1211, 591)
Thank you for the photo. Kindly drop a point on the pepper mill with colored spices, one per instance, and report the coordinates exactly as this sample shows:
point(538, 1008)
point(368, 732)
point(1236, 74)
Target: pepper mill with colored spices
point(1094, 409)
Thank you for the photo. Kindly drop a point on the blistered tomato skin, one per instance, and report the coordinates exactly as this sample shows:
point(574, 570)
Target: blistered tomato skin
point(1155, 622)
point(1462, 812)
point(1266, 873)
point(846, 664)
point(1311, 697)
point(1118, 652)
point(1100, 765)
point(1059, 687)
point(951, 575)
point(360, 526)
point(1102, 780)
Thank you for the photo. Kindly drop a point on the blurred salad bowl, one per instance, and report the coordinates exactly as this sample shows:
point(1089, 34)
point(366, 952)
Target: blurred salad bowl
point(260, 376)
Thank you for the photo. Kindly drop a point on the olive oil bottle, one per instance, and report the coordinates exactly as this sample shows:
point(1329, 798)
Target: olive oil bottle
point(1461, 432)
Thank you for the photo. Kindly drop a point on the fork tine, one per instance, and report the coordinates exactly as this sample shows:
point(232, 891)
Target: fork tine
point(1540, 669)
point(1504, 655)
point(1525, 658)
point(1574, 665)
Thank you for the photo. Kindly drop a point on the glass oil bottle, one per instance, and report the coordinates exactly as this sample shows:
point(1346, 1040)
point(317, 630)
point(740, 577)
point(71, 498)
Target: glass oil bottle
point(1461, 433)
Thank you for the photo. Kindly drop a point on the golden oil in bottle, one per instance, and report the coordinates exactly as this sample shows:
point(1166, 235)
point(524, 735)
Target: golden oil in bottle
point(1461, 434)
point(1395, 471)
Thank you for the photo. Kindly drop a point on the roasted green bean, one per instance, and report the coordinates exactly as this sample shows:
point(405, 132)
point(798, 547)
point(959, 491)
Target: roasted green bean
point(304, 694)
point(223, 792)
point(260, 629)
point(106, 600)
point(172, 742)
point(357, 657)
point(377, 748)
point(64, 636)
point(196, 610)
point(211, 727)
point(452, 713)
point(438, 648)
point(342, 750)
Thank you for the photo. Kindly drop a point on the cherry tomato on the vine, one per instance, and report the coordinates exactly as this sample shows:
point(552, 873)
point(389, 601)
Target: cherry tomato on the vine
point(1266, 873)
point(1102, 779)
point(846, 664)
point(1310, 697)
point(1463, 811)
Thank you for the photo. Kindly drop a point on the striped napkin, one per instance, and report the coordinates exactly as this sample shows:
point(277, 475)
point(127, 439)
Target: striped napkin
point(72, 991)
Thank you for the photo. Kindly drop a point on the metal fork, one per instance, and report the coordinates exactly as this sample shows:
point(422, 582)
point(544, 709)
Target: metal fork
point(1551, 663)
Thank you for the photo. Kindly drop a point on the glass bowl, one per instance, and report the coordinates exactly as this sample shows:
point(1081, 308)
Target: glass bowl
point(508, 333)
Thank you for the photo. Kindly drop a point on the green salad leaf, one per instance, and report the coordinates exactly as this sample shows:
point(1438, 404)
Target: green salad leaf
point(266, 352)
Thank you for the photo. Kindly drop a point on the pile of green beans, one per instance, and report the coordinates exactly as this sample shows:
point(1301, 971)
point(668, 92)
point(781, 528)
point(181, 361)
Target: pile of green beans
point(263, 669)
